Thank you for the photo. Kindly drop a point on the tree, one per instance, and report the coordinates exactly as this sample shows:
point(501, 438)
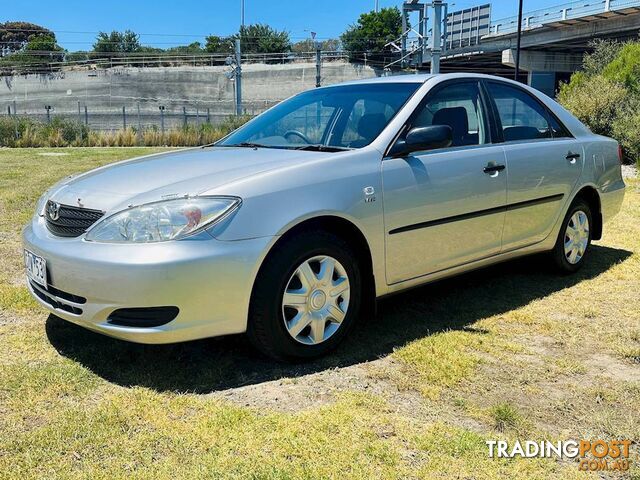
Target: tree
point(15, 35)
point(34, 55)
point(372, 32)
point(216, 44)
point(309, 45)
point(44, 47)
point(261, 38)
point(257, 38)
point(194, 47)
point(117, 42)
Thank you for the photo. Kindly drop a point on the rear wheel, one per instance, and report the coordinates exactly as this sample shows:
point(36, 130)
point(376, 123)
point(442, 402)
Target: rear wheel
point(574, 238)
point(306, 297)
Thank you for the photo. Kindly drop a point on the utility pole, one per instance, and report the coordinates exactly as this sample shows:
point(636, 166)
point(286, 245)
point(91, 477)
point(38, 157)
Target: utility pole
point(238, 75)
point(517, 72)
point(436, 40)
point(377, 6)
point(318, 63)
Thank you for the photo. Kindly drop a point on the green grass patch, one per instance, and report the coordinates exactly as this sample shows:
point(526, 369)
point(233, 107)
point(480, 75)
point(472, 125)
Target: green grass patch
point(505, 417)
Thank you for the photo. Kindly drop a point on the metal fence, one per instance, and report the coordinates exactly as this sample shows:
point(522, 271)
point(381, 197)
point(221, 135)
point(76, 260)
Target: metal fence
point(165, 97)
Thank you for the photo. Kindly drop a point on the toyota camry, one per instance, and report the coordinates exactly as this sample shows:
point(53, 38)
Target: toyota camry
point(290, 226)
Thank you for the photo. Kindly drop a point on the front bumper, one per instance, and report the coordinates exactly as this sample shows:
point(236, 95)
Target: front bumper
point(210, 281)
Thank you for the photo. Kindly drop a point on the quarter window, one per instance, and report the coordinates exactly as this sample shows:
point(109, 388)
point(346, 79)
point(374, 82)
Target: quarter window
point(458, 106)
point(521, 116)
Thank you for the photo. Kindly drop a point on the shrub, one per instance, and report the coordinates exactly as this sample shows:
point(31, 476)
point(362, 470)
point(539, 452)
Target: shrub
point(25, 132)
point(596, 101)
point(626, 129)
point(625, 67)
point(606, 94)
point(604, 51)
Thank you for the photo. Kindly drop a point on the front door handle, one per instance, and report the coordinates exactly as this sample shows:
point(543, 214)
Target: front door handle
point(572, 157)
point(493, 168)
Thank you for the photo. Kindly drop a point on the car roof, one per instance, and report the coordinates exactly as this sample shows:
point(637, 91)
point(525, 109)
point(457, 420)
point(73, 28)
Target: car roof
point(400, 78)
point(421, 78)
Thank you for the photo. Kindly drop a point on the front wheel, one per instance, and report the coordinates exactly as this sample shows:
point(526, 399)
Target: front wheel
point(306, 297)
point(574, 238)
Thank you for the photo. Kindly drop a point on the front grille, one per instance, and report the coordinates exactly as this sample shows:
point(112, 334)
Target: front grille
point(71, 221)
point(45, 294)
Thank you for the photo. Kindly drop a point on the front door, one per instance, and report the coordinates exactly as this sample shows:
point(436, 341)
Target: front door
point(445, 207)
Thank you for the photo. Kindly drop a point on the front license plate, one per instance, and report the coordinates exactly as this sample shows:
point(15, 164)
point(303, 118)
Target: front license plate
point(36, 268)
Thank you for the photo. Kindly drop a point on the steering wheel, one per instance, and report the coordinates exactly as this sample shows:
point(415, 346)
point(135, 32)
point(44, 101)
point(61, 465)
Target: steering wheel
point(298, 134)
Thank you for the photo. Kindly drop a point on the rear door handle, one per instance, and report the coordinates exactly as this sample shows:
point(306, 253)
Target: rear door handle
point(493, 168)
point(572, 157)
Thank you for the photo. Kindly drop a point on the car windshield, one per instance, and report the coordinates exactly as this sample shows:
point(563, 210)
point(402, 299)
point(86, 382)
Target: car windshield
point(326, 119)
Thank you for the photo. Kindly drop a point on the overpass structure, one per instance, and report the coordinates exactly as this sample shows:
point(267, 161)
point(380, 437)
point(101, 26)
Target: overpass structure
point(552, 44)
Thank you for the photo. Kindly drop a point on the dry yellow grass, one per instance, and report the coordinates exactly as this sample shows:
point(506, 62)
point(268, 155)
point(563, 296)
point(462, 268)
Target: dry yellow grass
point(512, 351)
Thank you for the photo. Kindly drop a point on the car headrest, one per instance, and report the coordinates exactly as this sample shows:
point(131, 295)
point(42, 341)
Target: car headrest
point(456, 118)
point(370, 125)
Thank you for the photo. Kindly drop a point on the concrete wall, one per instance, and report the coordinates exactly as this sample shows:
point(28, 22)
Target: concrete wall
point(104, 92)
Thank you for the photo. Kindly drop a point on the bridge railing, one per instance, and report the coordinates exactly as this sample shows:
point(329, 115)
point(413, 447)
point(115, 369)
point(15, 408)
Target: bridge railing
point(558, 13)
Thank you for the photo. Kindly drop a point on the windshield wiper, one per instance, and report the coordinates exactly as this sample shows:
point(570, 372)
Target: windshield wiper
point(322, 148)
point(241, 144)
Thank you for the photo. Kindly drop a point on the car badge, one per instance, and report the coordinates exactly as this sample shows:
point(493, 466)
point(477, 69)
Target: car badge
point(53, 210)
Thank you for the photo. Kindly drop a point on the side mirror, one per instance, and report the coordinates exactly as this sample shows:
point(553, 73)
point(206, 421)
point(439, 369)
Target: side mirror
point(423, 138)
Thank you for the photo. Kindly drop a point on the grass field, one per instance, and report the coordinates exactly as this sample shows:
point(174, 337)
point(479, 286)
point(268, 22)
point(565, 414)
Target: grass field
point(513, 351)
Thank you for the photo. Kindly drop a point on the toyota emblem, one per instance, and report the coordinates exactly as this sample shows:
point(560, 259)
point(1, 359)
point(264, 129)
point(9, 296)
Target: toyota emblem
point(53, 210)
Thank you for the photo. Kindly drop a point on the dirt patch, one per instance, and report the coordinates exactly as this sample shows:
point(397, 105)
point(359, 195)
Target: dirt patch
point(601, 364)
point(321, 388)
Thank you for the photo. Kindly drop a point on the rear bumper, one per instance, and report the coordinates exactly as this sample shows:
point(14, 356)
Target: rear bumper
point(611, 201)
point(210, 282)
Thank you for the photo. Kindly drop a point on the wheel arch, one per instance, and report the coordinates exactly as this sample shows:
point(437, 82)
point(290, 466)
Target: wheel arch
point(342, 227)
point(590, 194)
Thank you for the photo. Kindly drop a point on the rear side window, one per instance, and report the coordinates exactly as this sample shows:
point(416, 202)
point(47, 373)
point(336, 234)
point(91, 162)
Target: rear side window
point(522, 116)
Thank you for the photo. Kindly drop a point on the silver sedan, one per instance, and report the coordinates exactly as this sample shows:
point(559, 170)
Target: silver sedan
point(288, 227)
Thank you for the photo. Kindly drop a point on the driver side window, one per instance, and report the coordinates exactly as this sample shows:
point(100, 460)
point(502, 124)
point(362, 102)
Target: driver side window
point(458, 106)
point(367, 118)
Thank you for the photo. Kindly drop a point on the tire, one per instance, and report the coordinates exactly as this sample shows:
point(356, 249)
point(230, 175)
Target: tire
point(572, 262)
point(272, 323)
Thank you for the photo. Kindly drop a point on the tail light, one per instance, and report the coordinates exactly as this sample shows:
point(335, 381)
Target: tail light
point(620, 155)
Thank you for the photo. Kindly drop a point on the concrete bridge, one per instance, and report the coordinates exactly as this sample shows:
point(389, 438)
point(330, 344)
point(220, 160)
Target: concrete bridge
point(553, 41)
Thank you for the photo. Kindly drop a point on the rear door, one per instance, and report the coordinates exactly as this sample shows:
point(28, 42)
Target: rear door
point(544, 163)
point(445, 207)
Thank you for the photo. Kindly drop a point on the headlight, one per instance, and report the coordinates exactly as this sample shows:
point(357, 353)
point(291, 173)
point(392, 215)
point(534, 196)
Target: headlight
point(162, 221)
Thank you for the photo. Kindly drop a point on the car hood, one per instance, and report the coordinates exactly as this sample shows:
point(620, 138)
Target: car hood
point(172, 174)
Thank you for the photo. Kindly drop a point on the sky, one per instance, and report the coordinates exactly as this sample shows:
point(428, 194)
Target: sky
point(165, 23)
